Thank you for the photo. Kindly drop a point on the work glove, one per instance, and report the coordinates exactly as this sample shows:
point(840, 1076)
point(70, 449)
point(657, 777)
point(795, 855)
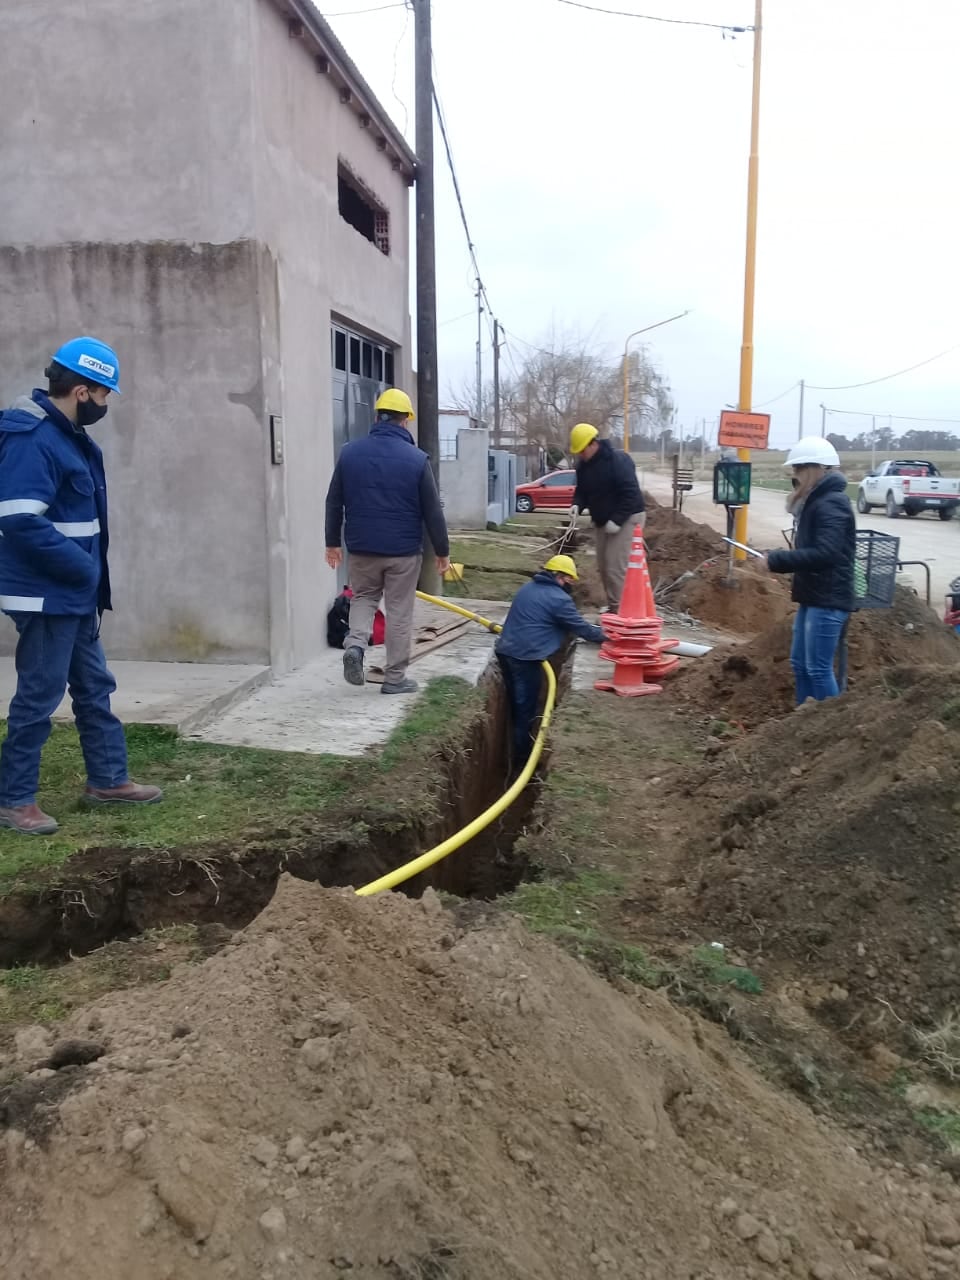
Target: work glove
point(610, 527)
point(574, 511)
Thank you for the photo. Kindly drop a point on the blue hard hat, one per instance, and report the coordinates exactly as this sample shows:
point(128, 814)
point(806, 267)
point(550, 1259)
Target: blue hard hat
point(93, 360)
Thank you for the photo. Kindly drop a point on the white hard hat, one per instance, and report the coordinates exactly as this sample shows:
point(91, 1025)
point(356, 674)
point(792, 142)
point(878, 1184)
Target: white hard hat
point(812, 449)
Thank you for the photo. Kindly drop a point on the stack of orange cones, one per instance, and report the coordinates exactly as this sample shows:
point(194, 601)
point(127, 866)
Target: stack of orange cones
point(635, 644)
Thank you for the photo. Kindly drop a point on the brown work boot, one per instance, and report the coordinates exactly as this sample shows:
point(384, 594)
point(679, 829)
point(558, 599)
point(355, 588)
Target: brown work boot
point(29, 820)
point(128, 793)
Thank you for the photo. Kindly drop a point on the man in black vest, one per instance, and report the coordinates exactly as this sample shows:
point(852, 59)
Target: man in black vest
point(381, 495)
point(608, 488)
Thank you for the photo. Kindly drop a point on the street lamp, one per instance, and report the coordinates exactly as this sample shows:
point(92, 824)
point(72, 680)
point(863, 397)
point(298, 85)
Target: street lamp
point(626, 381)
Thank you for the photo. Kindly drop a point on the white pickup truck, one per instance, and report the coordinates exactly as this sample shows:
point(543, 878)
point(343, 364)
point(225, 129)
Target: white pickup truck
point(908, 485)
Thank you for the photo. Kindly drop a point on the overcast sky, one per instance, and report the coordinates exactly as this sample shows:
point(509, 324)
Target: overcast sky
point(603, 166)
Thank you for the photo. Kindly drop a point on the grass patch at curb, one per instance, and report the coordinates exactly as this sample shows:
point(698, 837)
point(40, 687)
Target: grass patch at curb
point(215, 793)
point(567, 911)
point(446, 703)
point(210, 792)
point(34, 993)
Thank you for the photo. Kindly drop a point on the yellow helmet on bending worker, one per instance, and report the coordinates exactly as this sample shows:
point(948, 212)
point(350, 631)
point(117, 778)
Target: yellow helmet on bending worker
point(582, 435)
point(563, 564)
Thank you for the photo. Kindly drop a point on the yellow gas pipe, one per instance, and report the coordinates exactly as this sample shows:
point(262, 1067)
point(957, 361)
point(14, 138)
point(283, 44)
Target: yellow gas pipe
point(460, 838)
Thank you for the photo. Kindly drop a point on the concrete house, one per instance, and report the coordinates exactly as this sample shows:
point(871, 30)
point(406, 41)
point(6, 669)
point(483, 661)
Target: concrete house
point(211, 187)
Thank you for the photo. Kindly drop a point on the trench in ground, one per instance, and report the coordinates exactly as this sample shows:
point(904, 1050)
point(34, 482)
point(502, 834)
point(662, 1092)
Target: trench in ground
point(106, 895)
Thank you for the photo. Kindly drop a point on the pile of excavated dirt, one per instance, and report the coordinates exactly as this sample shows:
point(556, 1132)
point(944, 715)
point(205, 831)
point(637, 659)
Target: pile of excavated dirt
point(823, 847)
point(361, 1087)
point(676, 544)
point(746, 603)
point(754, 681)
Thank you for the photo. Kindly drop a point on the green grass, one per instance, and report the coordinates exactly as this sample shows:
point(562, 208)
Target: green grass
point(943, 1121)
point(33, 993)
point(710, 965)
point(946, 1124)
point(444, 704)
point(568, 912)
point(493, 569)
point(213, 793)
point(210, 792)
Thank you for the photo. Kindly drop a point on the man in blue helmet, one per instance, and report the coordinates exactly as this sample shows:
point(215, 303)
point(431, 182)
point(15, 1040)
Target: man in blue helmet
point(55, 585)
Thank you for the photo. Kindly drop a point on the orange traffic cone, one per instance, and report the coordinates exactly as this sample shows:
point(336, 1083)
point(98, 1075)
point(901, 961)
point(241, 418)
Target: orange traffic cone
point(636, 601)
point(634, 641)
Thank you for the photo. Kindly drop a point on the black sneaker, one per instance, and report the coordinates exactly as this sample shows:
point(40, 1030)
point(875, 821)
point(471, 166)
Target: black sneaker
point(400, 686)
point(353, 666)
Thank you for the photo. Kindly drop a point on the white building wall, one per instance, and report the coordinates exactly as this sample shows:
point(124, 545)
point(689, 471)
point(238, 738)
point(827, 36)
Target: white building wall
point(172, 188)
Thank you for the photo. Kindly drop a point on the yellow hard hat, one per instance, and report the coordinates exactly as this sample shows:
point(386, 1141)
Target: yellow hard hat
point(394, 401)
point(582, 435)
point(563, 564)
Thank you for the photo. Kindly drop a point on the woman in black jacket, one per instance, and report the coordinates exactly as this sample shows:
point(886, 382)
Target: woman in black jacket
point(821, 561)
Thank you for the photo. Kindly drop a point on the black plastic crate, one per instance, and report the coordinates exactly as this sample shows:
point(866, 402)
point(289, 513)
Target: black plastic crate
point(875, 569)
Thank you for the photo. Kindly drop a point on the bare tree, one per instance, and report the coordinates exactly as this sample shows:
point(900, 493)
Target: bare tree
point(545, 390)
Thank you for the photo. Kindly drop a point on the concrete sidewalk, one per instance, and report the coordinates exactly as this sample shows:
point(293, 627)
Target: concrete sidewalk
point(311, 710)
point(183, 695)
point(315, 711)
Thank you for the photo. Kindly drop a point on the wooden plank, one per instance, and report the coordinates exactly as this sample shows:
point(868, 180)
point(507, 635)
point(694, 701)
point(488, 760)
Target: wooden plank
point(423, 644)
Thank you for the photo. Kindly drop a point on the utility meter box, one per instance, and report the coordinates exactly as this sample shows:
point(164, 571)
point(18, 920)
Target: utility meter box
point(731, 483)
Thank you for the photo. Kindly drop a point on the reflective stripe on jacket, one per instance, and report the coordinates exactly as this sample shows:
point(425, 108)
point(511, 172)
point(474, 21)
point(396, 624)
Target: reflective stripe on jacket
point(53, 513)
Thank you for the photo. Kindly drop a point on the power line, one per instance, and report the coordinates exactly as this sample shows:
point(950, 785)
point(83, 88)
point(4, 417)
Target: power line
point(894, 417)
point(764, 403)
point(523, 342)
point(648, 17)
point(349, 13)
point(454, 319)
point(471, 247)
point(854, 386)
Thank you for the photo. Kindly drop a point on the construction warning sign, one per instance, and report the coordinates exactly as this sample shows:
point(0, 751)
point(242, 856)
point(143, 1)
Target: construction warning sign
point(744, 430)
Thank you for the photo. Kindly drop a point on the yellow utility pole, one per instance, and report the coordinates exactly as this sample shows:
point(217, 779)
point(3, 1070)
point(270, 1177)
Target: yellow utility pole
point(626, 380)
point(750, 269)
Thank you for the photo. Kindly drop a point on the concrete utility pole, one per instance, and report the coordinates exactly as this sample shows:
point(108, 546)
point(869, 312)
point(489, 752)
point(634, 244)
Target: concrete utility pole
point(823, 420)
point(750, 268)
point(479, 354)
point(496, 384)
point(800, 425)
point(428, 395)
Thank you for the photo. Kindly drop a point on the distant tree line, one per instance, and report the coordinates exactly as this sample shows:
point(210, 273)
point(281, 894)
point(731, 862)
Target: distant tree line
point(887, 441)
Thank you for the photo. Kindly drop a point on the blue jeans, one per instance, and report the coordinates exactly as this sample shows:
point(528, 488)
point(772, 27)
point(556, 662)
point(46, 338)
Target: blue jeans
point(816, 635)
point(55, 651)
point(524, 681)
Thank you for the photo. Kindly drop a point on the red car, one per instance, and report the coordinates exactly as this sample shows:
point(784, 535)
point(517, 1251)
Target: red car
point(550, 492)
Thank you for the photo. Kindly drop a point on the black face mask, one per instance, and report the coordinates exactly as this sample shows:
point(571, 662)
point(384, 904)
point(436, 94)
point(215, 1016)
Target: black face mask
point(568, 587)
point(89, 412)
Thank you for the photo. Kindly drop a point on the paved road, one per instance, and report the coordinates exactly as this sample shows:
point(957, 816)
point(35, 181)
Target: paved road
point(923, 538)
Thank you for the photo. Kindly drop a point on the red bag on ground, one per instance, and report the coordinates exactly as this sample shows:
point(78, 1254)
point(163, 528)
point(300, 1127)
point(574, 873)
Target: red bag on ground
point(337, 622)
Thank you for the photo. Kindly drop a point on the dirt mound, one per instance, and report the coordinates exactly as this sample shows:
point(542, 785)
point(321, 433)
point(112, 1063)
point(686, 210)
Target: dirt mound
point(361, 1087)
point(747, 603)
point(754, 682)
point(675, 543)
point(824, 847)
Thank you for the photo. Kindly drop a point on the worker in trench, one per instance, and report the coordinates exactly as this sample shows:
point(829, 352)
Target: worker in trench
point(822, 562)
point(542, 618)
point(55, 584)
point(381, 496)
point(608, 488)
